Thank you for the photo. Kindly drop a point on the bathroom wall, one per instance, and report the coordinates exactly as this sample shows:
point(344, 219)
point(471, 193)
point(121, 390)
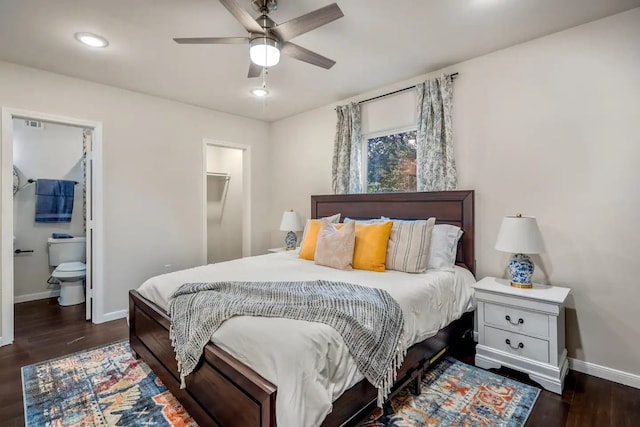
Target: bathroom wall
point(224, 208)
point(54, 152)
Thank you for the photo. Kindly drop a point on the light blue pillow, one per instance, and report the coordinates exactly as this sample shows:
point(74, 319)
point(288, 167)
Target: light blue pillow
point(444, 246)
point(367, 221)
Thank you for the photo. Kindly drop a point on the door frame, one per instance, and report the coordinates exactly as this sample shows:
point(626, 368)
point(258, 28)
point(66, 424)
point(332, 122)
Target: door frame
point(6, 221)
point(246, 194)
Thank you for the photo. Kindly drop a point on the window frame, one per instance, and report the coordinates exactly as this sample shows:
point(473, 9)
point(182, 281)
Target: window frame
point(364, 153)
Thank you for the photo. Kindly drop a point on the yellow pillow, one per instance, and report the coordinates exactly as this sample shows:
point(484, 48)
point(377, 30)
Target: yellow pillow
point(308, 248)
point(370, 252)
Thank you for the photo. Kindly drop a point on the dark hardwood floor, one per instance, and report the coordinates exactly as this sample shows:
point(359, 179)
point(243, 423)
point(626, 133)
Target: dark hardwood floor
point(45, 330)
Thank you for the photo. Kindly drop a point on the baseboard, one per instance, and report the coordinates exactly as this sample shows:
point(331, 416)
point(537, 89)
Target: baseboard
point(33, 297)
point(604, 372)
point(114, 315)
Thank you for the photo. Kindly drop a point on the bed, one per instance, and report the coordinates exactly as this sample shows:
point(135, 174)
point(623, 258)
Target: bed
point(224, 391)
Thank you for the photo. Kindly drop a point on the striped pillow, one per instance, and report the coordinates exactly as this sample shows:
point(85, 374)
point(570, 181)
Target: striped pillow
point(408, 248)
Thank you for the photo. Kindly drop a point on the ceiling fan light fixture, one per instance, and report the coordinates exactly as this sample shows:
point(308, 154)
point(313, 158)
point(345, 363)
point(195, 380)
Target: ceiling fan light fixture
point(264, 51)
point(92, 40)
point(260, 92)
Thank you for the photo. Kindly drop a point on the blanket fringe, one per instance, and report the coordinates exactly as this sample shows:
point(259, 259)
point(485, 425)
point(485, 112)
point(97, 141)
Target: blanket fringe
point(390, 376)
point(172, 337)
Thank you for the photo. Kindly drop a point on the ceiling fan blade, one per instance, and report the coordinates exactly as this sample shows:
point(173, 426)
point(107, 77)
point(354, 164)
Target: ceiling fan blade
point(308, 22)
point(242, 16)
point(302, 54)
point(212, 40)
point(254, 70)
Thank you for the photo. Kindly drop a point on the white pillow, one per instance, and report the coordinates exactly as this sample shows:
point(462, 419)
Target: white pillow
point(333, 219)
point(444, 246)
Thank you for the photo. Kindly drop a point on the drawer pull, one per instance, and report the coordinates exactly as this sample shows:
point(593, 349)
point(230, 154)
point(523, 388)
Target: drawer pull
point(508, 341)
point(519, 322)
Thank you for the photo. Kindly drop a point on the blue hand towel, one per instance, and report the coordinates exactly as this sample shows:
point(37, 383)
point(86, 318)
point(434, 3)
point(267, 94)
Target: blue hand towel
point(61, 236)
point(54, 200)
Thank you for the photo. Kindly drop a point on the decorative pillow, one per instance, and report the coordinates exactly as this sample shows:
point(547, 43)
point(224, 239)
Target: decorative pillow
point(335, 245)
point(334, 219)
point(444, 246)
point(408, 248)
point(308, 246)
point(370, 251)
point(366, 221)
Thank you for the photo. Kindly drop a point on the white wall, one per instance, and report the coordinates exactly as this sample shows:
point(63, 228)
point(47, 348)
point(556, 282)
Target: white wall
point(152, 170)
point(52, 152)
point(224, 204)
point(548, 128)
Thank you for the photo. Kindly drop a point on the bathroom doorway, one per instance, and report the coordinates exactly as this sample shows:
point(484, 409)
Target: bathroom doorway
point(40, 150)
point(226, 216)
point(54, 152)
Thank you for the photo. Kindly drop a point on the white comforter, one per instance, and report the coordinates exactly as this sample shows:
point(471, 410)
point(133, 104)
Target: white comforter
point(309, 362)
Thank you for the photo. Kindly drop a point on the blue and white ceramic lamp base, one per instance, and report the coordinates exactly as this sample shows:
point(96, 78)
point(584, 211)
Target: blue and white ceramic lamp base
point(290, 240)
point(521, 270)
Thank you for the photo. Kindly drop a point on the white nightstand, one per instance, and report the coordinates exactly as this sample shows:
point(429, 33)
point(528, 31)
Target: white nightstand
point(282, 249)
point(522, 329)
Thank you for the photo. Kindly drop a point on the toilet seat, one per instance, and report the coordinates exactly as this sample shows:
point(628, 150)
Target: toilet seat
point(70, 270)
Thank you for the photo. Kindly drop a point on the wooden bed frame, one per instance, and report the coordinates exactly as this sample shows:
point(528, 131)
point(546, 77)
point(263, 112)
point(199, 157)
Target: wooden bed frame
point(223, 391)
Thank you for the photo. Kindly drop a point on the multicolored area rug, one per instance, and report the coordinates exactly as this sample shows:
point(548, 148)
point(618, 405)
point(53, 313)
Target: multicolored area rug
point(456, 394)
point(105, 386)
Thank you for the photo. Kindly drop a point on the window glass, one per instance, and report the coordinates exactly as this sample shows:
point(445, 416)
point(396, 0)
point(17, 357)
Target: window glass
point(391, 163)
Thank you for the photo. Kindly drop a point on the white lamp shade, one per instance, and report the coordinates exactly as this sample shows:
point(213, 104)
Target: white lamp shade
point(519, 235)
point(290, 222)
point(264, 52)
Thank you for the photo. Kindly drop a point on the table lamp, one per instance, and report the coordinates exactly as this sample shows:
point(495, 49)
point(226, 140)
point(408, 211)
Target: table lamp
point(291, 223)
point(520, 236)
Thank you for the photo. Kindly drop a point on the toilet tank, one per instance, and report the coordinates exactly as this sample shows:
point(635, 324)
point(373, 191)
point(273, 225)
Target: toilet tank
point(66, 250)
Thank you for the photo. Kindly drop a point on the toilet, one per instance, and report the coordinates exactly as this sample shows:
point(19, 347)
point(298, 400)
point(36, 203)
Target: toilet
point(68, 257)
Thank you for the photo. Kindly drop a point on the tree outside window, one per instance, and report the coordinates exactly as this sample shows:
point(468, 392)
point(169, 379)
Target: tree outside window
point(391, 163)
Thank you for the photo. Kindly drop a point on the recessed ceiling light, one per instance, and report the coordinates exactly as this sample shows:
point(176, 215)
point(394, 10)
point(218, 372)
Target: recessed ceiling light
point(92, 40)
point(259, 92)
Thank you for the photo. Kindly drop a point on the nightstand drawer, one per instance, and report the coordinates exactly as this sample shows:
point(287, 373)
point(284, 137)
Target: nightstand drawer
point(517, 344)
point(517, 320)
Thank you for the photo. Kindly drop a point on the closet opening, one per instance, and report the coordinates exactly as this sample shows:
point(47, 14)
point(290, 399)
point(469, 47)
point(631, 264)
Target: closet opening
point(226, 213)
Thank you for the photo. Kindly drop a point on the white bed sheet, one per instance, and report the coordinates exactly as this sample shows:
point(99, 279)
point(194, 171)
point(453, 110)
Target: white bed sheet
point(307, 361)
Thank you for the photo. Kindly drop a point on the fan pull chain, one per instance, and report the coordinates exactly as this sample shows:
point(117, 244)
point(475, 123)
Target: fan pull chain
point(265, 71)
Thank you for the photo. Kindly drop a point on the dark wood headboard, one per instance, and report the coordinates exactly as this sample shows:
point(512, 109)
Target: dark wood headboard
point(449, 207)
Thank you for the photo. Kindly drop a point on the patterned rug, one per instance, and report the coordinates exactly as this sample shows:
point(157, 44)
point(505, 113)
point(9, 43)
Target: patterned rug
point(105, 386)
point(456, 394)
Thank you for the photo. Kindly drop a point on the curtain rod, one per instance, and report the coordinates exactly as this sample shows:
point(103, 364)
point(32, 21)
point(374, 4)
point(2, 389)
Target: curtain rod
point(452, 76)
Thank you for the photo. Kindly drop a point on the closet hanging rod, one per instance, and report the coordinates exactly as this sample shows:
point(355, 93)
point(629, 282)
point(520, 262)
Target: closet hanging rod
point(226, 176)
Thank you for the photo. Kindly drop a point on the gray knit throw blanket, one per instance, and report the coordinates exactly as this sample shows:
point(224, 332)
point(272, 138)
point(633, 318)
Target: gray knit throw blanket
point(369, 320)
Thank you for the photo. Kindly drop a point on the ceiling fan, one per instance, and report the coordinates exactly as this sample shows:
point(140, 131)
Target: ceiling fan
point(267, 40)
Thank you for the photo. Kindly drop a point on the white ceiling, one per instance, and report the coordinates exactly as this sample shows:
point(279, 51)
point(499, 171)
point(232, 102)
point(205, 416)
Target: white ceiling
point(376, 43)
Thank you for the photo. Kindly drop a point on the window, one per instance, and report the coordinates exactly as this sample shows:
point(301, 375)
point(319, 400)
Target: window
point(390, 162)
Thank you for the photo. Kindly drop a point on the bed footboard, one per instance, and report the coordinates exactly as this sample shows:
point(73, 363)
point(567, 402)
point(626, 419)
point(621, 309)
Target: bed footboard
point(220, 392)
